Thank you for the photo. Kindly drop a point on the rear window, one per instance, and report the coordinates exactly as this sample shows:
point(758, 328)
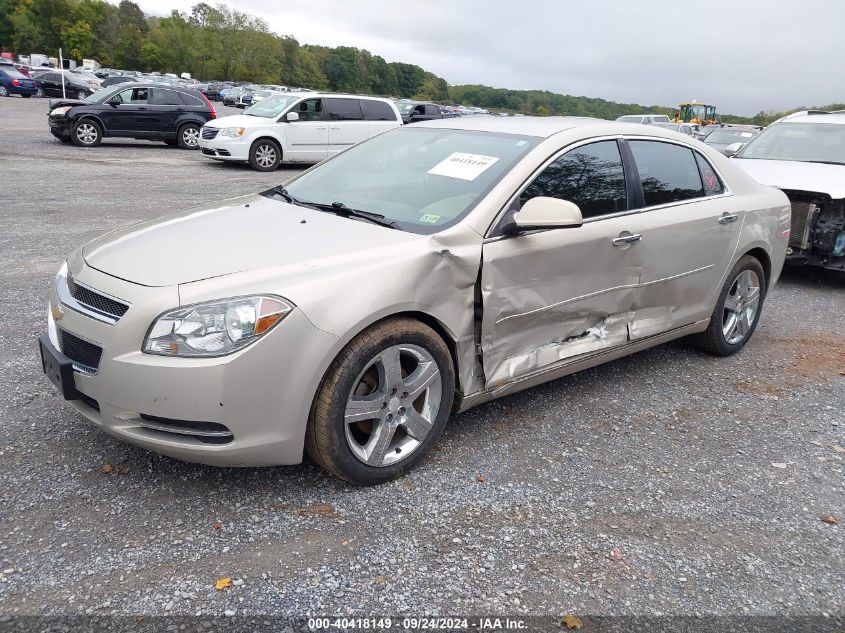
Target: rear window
point(11, 71)
point(668, 172)
point(344, 109)
point(377, 111)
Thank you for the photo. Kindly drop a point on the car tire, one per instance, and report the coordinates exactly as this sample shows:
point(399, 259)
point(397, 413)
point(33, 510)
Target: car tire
point(4, 91)
point(188, 136)
point(360, 382)
point(86, 133)
point(265, 155)
point(737, 311)
point(39, 92)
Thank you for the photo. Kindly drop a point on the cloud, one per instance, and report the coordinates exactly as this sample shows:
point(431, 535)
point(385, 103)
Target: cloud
point(743, 56)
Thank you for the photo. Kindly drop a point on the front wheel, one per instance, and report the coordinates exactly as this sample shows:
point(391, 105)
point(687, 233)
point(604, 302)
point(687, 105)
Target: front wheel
point(383, 403)
point(265, 155)
point(86, 133)
point(737, 311)
point(39, 92)
point(188, 136)
point(4, 91)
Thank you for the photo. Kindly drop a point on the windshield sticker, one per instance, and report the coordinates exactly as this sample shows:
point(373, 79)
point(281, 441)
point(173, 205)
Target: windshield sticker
point(463, 166)
point(430, 218)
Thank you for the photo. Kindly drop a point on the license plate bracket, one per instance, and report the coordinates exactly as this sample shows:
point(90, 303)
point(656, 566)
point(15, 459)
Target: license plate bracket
point(58, 368)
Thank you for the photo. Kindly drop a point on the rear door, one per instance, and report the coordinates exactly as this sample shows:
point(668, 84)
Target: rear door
point(51, 84)
point(346, 123)
point(379, 116)
point(165, 109)
point(690, 228)
point(307, 138)
point(549, 296)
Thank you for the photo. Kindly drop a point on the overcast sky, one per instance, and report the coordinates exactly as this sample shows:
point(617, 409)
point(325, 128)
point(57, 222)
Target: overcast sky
point(741, 55)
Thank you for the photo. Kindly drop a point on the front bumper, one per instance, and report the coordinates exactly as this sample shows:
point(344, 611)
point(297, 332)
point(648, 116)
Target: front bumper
point(225, 148)
point(59, 126)
point(261, 396)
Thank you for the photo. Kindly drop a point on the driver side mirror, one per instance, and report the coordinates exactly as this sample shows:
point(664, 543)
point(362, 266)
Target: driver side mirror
point(114, 102)
point(733, 148)
point(292, 116)
point(545, 213)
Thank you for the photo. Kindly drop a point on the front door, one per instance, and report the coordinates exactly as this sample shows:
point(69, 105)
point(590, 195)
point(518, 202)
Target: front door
point(690, 234)
point(130, 113)
point(308, 137)
point(552, 295)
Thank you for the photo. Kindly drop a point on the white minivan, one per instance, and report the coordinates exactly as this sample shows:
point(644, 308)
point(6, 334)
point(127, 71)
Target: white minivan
point(303, 127)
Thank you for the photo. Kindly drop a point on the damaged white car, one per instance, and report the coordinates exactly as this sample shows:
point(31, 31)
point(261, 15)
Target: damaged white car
point(804, 154)
point(422, 272)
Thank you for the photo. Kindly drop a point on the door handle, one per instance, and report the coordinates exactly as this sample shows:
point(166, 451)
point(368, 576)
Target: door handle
point(727, 218)
point(622, 240)
point(334, 127)
point(320, 127)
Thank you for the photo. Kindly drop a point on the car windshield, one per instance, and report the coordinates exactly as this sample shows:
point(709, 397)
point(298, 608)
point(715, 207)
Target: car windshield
point(730, 136)
point(805, 142)
point(102, 94)
point(270, 107)
point(630, 119)
point(424, 179)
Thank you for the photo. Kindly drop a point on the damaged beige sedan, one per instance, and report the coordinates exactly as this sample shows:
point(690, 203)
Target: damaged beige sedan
point(424, 271)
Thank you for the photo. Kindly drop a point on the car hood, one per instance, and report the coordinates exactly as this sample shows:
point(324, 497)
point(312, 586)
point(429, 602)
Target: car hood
point(238, 235)
point(55, 103)
point(238, 120)
point(797, 176)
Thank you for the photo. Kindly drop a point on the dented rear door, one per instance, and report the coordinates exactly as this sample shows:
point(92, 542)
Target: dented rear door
point(552, 295)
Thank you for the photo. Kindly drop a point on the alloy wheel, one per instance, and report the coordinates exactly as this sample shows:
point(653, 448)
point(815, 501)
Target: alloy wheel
point(86, 133)
point(393, 405)
point(39, 92)
point(265, 155)
point(741, 306)
point(191, 136)
point(4, 92)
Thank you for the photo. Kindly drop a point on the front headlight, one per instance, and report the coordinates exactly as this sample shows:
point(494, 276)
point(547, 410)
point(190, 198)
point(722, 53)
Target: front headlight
point(232, 131)
point(215, 328)
point(60, 111)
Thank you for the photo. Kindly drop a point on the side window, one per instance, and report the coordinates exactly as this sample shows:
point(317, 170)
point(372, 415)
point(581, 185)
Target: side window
point(165, 97)
point(591, 176)
point(309, 110)
point(377, 111)
point(50, 77)
point(133, 95)
point(189, 100)
point(712, 185)
point(668, 172)
point(432, 110)
point(344, 109)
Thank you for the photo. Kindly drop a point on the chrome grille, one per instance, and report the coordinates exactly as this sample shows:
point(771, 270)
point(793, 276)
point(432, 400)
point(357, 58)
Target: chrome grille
point(85, 355)
point(94, 300)
point(803, 218)
point(209, 133)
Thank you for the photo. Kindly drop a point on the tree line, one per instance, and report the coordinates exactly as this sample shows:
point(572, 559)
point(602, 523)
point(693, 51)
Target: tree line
point(217, 42)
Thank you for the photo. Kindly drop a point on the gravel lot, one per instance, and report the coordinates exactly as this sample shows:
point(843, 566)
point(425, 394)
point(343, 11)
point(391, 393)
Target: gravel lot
point(669, 482)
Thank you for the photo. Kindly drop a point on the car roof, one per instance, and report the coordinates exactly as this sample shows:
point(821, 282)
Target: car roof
point(542, 127)
point(833, 117)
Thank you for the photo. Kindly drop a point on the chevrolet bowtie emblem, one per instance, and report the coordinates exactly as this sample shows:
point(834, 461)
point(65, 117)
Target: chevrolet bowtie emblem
point(57, 312)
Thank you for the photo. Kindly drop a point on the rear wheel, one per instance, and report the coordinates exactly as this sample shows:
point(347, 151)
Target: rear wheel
point(265, 155)
point(39, 92)
point(188, 136)
point(383, 403)
point(4, 91)
point(737, 311)
point(86, 133)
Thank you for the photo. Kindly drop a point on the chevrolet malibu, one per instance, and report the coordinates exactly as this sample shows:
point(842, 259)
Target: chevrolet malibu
point(431, 268)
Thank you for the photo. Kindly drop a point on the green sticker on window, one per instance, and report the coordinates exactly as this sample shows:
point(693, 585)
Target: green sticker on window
point(430, 218)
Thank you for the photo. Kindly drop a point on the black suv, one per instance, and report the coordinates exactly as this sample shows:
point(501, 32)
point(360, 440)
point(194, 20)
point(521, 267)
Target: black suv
point(142, 111)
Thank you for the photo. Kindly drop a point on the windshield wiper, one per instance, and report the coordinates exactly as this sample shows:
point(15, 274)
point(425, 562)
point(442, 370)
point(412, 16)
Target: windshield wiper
point(280, 191)
point(338, 208)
